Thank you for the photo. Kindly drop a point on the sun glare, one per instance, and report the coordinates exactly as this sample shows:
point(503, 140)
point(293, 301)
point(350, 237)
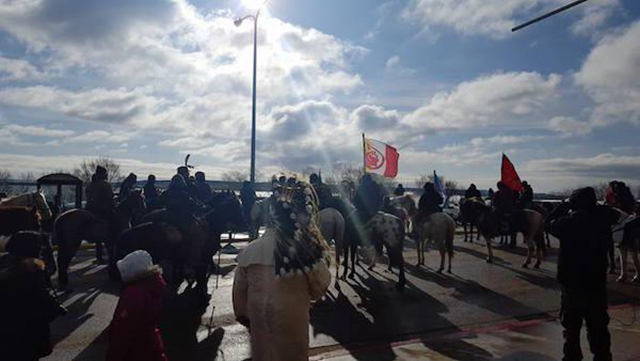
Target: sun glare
point(253, 4)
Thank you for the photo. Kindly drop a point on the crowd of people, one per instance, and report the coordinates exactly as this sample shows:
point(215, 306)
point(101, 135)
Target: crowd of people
point(283, 272)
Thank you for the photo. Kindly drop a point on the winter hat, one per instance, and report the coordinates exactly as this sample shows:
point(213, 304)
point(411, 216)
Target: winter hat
point(25, 244)
point(583, 198)
point(136, 265)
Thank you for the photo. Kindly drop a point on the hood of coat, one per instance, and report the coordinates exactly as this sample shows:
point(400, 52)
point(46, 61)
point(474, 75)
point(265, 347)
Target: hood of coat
point(154, 285)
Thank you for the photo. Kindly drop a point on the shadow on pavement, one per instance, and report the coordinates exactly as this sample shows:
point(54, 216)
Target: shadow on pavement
point(180, 324)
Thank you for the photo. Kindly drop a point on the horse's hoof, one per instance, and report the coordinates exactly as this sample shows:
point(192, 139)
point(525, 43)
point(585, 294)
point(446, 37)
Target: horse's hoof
point(536, 266)
point(343, 278)
point(623, 279)
point(525, 265)
point(418, 264)
point(612, 271)
point(400, 286)
point(636, 279)
point(370, 268)
point(352, 276)
point(489, 260)
point(449, 270)
point(440, 271)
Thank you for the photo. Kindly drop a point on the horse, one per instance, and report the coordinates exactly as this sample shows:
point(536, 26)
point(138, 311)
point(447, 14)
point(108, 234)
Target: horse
point(14, 219)
point(468, 217)
point(170, 244)
point(33, 199)
point(332, 226)
point(76, 225)
point(408, 205)
point(525, 221)
point(258, 217)
point(627, 243)
point(382, 230)
point(440, 228)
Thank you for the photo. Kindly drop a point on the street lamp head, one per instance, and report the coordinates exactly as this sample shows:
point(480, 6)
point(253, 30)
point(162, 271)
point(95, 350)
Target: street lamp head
point(237, 22)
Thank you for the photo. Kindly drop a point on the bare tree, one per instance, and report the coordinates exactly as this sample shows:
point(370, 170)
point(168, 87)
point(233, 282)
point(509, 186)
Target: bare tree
point(85, 170)
point(449, 184)
point(27, 178)
point(5, 176)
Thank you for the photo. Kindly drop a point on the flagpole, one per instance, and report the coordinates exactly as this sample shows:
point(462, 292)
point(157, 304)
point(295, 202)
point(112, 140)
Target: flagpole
point(364, 155)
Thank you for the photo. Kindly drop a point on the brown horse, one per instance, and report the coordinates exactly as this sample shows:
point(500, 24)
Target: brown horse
point(76, 225)
point(469, 217)
point(14, 219)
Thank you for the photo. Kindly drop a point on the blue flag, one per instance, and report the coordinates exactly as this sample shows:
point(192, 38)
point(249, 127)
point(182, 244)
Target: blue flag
point(439, 188)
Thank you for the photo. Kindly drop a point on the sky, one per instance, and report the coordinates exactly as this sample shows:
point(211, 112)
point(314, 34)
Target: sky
point(146, 82)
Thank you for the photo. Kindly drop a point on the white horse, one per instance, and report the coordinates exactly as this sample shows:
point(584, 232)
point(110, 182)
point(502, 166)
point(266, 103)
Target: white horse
point(332, 226)
point(33, 199)
point(439, 228)
point(618, 236)
point(258, 217)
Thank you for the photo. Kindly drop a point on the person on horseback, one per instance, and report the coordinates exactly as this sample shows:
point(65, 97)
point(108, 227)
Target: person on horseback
point(472, 192)
point(127, 186)
point(26, 307)
point(369, 198)
point(430, 202)
point(100, 199)
point(504, 202)
point(325, 197)
point(190, 186)
point(203, 190)
point(584, 230)
point(526, 197)
point(619, 196)
point(399, 191)
point(248, 199)
point(150, 190)
point(182, 210)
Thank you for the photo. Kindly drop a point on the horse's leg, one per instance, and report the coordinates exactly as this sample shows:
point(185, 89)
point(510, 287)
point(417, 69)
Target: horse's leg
point(530, 250)
point(464, 227)
point(66, 251)
point(345, 262)
point(395, 256)
point(338, 250)
point(441, 248)
point(418, 242)
point(99, 252)
point(354, 249)
point(612, 258)
point(489, 249)
point(624, 252)
point(636, 264)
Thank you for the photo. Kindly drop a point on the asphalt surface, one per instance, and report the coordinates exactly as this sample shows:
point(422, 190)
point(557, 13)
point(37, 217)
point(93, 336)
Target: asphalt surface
point(357, 314)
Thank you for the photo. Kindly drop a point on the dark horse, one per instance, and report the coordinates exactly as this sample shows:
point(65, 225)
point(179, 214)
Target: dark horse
point(169, 246)
point(76, 225)
point(382, 230)
point(468, 217)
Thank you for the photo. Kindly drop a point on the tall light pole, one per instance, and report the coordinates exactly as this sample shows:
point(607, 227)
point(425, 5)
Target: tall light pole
point(238, 22)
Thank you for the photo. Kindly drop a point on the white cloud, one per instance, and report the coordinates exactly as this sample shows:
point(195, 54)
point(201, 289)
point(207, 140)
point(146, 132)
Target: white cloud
point(393, 62)
point(499, 99)
point(568, 126)
point(19, 70)
point(600, 167)
point(369, 117)
point(610, 76)
point(500, 140)
point(496, 18)
point(37, 131)
point(101, 137)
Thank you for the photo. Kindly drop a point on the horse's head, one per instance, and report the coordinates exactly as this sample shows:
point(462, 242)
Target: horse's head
point(226, 213)
point(40, 202)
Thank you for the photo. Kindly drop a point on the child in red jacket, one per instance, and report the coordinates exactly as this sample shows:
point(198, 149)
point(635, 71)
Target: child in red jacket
point(134, 333)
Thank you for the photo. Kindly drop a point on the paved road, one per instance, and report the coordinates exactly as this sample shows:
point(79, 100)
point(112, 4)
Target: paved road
point(356, 314)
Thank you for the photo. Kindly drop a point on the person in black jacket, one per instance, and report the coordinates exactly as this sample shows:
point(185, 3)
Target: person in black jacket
point(26, 306)
point(584, 230)
point(472, 192)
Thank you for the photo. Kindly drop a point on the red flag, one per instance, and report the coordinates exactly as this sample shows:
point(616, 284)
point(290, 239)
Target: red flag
point(381, 158)
point(509, 175)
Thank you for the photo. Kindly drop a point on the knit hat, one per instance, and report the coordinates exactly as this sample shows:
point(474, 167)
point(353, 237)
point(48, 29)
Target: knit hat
point(136, 265)
point(583, 198)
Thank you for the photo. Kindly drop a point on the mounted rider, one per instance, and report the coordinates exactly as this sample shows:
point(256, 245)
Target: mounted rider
point(248, 199)
point(127, 186)
point(325, 197)
point(181, 209)
point(150, 191)
point(100, 200)
point(430, 202)
point(189, 182)
point(203, 190)
point(399, 191)
point(619, 196)
point(472, 192)
point(526, 197)
point(369, 198)
point(504, 201)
